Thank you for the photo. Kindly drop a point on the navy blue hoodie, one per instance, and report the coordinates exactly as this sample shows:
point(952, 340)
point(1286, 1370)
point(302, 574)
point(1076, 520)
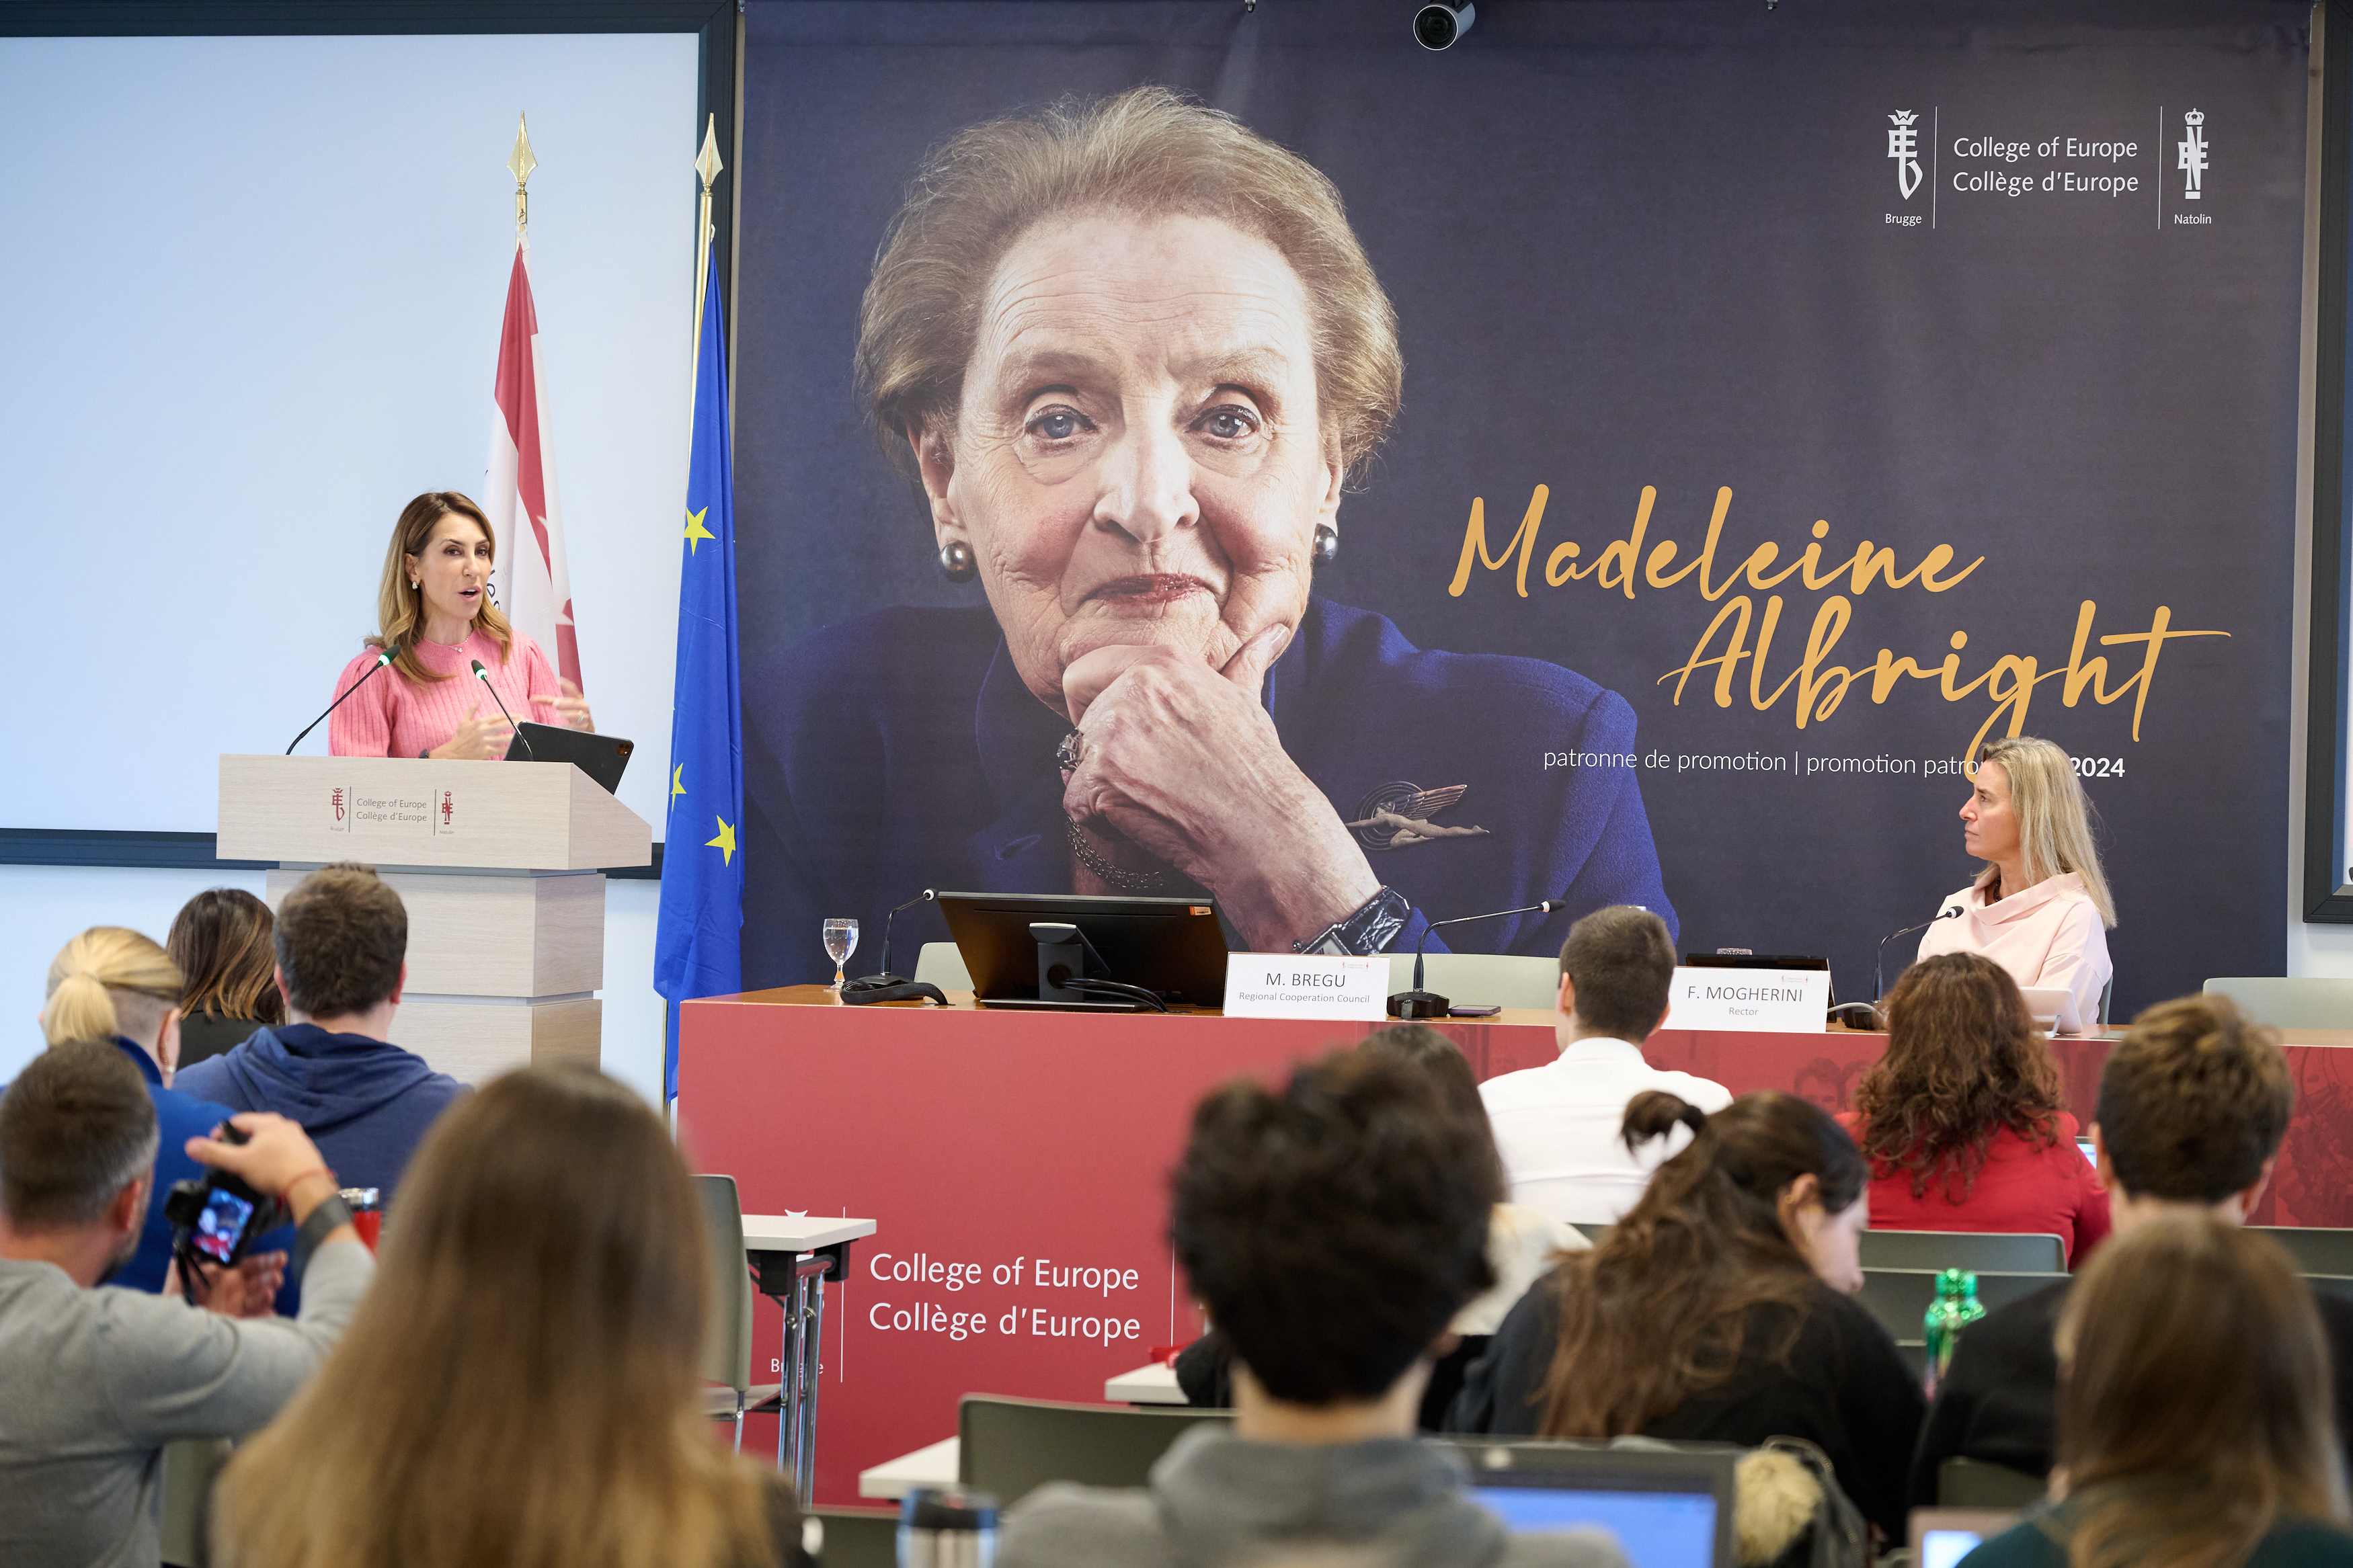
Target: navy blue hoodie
point(366, 1103)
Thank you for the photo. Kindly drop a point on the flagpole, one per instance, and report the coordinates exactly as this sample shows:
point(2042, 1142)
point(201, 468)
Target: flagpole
point(520, 163)
point(706, 165)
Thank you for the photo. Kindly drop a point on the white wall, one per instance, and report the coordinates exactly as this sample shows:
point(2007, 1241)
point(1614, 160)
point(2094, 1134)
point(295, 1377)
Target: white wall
point(250, 292)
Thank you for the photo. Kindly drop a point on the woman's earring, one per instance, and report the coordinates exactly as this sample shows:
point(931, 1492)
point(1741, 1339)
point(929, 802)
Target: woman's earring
point(1326, 548)
point(956, 562)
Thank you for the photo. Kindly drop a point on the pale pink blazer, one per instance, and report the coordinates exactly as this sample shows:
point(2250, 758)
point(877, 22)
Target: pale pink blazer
point(2049, 936)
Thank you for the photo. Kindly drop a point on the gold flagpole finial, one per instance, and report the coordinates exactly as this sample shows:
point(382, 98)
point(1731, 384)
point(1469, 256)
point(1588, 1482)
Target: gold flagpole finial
point(520, 163)
point(706, 163)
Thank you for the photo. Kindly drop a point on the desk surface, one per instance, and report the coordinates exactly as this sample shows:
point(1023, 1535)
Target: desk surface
point(800, 1232)
point(1152, 1384)
point(934, 1465)
point(1525, 1017)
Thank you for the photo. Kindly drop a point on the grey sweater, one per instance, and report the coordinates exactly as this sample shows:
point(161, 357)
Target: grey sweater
point(94, 1383)
point(1217, 1499)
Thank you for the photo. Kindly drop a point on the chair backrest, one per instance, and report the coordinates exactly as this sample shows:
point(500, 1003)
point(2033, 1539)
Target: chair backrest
point(2337, 1285)
point(860, 1537)
point(1900, 1297)
point(2315, 1251)
point(2298, 1002)
point(191, 1466)
point(1985, 1251)
point(1489, 979)
point(942, 966)
point(1973, 1483)
point(727, 1347)
point(1009, 1447)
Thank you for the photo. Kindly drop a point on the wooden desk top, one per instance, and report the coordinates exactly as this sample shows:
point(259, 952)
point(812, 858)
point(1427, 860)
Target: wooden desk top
point(962, 1001)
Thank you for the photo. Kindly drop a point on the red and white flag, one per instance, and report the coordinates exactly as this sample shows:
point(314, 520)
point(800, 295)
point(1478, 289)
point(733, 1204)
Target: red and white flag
point(531, 583)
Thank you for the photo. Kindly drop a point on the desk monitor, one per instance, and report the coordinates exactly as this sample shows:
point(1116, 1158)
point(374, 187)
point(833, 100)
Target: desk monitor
point(1172, 947)
point(1669, 1508)
point(601, 757)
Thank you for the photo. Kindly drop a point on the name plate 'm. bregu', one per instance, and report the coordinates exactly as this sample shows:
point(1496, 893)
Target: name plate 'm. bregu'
point(1305, 986)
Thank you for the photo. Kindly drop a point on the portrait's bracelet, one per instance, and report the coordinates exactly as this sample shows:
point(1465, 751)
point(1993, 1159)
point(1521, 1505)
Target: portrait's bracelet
point(1368, 930)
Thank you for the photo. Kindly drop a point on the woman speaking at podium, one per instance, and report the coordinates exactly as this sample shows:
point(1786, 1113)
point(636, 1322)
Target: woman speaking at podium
point(435, 617)
point(2040, 909)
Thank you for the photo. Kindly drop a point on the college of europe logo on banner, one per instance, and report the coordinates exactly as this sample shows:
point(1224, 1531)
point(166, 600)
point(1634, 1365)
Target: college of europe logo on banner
point(1904, 146)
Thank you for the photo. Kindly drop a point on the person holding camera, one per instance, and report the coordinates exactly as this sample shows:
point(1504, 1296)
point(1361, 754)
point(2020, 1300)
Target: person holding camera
point(96, 1382)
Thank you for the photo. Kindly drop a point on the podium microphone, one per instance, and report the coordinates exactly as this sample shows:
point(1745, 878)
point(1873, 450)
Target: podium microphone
point(1421, 1004)
point(887, 987)
point(1878, 963)
point(484, 677)
point(383, 658)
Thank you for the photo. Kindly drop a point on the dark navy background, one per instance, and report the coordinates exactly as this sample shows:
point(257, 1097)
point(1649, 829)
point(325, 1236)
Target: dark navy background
point(1638, 244)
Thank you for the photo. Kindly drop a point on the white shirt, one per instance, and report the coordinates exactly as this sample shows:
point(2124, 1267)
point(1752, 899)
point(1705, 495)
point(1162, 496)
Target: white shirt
point(1557, 1128)
point(1522, 1245)
point(2048, 936)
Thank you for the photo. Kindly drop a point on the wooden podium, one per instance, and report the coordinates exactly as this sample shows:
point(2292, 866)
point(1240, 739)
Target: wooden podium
point(501, 866)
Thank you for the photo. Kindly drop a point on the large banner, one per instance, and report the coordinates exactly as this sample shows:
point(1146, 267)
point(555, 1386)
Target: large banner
point(1791, 400)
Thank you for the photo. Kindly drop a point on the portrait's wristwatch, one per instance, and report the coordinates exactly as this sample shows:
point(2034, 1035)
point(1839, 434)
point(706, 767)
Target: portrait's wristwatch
point(1369, 931)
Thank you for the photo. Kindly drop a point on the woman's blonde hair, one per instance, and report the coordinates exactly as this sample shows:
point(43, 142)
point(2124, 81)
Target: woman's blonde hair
point(1150, 151)
point(400, 604)
point(2054, 818)
point(101, 974)
point(521, 1384)
point(2194, 1400)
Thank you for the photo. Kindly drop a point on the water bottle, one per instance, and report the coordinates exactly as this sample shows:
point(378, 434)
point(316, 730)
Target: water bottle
point(1956, 1308)
point(945, 1529)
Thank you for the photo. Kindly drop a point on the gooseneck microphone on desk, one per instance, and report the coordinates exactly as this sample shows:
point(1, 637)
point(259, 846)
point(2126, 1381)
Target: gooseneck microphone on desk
point(383, 658)
point(1421, 1004)
point(888, 987)
point(1879, 964)
point(484, 677)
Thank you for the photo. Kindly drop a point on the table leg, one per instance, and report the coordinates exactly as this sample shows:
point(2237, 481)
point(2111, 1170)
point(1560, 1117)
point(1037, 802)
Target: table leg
point(805, 1480)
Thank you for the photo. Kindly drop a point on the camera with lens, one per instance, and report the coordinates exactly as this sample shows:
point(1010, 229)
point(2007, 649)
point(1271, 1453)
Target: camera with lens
point(216, 1218)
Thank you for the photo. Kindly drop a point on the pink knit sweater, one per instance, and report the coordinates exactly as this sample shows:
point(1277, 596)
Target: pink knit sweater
point(393, 716)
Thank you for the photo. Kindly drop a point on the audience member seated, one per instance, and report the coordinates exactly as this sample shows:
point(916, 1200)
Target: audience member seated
point(341, 936)
point(221, 942)
point(1960, 1119)
point(1333, 1228)
point(1522, 1243)
point(2193, 1413)
point(522, 1386)
point(2193, 1103)
point(1718, 1308)
point(109, 984)
point(1556, 1126)
point(94, 1383)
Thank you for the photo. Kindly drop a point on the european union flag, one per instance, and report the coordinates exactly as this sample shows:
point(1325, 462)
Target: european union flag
point(699, 942)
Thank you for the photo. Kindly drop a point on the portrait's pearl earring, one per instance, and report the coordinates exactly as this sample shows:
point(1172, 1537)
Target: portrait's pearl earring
point(1326, 548)
point(956, 562)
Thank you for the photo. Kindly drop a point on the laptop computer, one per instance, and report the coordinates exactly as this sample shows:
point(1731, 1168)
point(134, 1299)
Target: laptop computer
point(1941, 1537)
point(601, 757)
point(2052, 1008)
point(1669, 1508)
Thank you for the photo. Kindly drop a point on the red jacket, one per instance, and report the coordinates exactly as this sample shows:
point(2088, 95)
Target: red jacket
point(2019, 1188)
